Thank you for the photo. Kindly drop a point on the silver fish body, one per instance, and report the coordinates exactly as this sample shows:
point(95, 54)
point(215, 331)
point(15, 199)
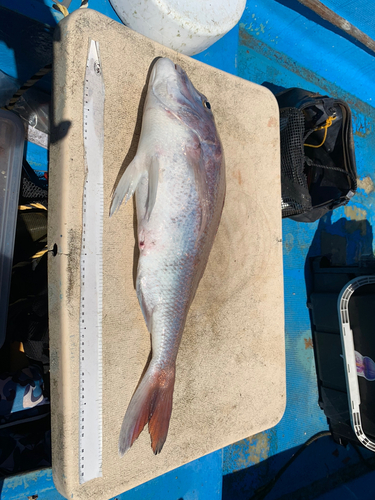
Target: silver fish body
point(178, 176)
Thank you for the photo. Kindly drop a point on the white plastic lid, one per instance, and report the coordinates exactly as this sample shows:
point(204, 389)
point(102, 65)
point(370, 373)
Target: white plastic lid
point(12, 137)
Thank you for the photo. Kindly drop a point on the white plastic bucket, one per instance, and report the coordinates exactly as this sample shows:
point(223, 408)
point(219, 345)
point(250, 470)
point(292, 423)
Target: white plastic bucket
point(187, 26)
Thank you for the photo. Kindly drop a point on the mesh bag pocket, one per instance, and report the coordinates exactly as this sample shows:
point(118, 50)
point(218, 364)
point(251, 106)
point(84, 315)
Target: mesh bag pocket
point(295, 195)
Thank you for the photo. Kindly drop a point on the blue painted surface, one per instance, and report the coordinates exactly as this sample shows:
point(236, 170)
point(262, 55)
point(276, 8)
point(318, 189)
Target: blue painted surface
point(25, 47)
point(44, 12)
point(222, 54)
point(311, 46)
point(358, 489)
point(280, 44)
point(360, 13)
point(37, 157)
point(323, 464)
point(264, 59)
point(263, 63)
point(103, 6)
point(39, 10)
point(319, 462)
point(200, 479)
point(35, 483)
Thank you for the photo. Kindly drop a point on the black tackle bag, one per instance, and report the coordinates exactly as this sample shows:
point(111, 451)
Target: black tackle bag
point(318, 169)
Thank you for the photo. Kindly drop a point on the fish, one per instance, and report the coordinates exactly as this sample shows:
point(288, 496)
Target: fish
point(178, 177)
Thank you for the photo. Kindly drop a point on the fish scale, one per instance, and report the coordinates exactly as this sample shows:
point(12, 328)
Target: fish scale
point(178, 176)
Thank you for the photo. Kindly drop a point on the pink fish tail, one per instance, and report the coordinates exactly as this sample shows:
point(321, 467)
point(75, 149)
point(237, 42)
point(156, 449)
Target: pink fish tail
point(152, 403)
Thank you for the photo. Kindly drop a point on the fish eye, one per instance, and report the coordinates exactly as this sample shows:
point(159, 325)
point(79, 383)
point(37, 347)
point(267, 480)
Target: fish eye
point(207, 104)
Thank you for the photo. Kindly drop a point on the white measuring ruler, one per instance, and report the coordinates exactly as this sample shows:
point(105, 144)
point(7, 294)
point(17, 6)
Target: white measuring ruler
point(90, 333)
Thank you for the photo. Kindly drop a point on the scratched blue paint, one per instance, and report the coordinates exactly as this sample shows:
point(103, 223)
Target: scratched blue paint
point(360, 13)
point(25, 485)
point(262, 60)
point(289, 32)
point(250, 451)
point(264, 64)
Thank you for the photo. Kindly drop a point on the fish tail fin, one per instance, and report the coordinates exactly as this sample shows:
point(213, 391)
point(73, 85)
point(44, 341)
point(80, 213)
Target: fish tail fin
point(127, 185)
point(152, 403)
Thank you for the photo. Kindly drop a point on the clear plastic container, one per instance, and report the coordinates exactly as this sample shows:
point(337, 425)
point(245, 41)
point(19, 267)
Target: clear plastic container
point(12, 138)
point(354, 361)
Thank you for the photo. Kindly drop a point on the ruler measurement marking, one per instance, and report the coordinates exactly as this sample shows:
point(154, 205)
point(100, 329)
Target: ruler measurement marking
point(90, 345)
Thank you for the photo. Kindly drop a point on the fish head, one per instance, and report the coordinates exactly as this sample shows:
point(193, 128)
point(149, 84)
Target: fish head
point(172, 87)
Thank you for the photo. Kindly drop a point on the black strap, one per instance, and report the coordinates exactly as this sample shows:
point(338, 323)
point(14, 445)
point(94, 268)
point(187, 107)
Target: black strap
point(310, 163)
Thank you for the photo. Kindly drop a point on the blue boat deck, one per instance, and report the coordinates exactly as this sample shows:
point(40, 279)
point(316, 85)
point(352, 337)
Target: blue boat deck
point(279, 44)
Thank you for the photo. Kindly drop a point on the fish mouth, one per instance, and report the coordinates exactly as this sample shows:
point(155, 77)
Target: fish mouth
point(179, 70)
point(163, 68)
point(166, 70)
point(168, 79)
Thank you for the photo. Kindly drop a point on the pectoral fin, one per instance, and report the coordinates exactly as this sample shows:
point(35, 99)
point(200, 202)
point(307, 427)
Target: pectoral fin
point(130, 180)
point(127, 185)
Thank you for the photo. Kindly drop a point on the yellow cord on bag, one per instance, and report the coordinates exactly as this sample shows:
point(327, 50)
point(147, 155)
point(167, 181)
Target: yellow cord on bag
point(327, 124)
point(30, 206)
point(40, 253)
point(58, 6)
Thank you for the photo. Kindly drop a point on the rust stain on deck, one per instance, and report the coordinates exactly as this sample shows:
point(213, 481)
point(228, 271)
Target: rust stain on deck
point(308, 343)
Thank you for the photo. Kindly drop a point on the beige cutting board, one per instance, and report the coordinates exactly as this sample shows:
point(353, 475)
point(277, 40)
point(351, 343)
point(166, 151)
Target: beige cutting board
point(230, 379)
